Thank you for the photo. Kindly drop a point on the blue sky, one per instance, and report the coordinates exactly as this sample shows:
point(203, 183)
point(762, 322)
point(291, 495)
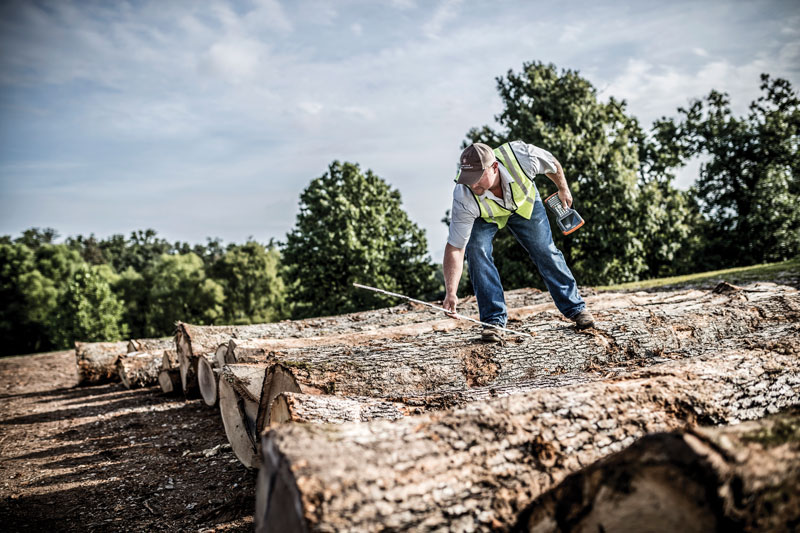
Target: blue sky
point(207, 119)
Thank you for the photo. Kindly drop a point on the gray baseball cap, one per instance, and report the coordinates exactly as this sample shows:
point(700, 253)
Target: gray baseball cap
point(474, 160)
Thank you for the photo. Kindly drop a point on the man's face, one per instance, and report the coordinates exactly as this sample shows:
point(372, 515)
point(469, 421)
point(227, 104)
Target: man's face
point(487, 181)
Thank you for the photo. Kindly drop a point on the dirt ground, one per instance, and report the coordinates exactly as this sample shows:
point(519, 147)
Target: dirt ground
point(105, 458)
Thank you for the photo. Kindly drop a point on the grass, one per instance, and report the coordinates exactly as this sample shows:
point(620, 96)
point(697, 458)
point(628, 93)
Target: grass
point(770, 271)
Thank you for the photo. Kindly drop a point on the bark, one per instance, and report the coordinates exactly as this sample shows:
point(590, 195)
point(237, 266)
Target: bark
point(733, 478)
point(239, 391)
point(169, 380)
point(97, 361)
point(139, 369)
point(477, 466)
point(151, 345)
point(330, 409)
point(191, 340)
point(441, 365)
point(208, 378)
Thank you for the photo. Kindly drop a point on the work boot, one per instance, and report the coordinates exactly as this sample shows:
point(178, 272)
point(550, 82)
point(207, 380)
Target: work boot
point(492, 335)
point(583, 320)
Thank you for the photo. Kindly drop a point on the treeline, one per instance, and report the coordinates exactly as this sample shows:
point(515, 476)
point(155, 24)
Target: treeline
point(743, 209)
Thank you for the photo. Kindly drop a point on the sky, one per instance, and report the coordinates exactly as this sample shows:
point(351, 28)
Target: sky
point(208, 119)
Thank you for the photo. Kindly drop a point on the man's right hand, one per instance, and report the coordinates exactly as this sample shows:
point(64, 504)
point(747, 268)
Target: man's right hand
point(450, 303)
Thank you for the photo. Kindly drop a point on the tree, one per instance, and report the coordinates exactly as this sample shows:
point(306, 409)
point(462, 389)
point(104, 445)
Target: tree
point(87, 310)
point(250, 277)
point(352, 228)
point(179, 290)
point(749, 187)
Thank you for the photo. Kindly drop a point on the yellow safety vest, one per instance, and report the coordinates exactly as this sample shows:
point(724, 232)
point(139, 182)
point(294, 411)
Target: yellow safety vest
point(523, 191)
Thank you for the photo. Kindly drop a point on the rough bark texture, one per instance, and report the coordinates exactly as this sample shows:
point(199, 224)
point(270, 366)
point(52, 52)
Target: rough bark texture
point(139, 369)
point(191, 340)
point(239, 391)
point(151, 345)
point(478, 466)
point(331, 409)
point(733, 478)
point(441, 365)
point(169, 380)
point(97, 361)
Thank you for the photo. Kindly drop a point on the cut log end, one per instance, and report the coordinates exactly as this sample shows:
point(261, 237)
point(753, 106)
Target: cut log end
point(169, 380)
point(278, 503)
point(207, 379)
point(239, 389)
point(278, 379)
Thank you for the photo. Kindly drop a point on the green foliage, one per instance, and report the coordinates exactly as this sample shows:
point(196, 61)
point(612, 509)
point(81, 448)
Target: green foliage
point(352, 228)
point(87, 310)
point(749, 187)
point(180, 290)
point(254, 289)
point(598, 145)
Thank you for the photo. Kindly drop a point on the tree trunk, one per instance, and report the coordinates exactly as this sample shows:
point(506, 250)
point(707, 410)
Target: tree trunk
point(239, 390)
point(191, 341)
point(170, 380)
point(97, 361)
point(330, 409)
point(442, 365)
point(170, 360)
point(139, 369)
point(733, 478)
point(477, 466)
point(208, 378)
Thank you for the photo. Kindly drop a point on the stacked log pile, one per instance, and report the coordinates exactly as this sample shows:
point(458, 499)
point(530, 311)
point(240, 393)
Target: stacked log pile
point(402, 419)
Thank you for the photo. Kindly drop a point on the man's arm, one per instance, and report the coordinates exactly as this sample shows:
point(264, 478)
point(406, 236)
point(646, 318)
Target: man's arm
point(452, 265)
point(561, 182)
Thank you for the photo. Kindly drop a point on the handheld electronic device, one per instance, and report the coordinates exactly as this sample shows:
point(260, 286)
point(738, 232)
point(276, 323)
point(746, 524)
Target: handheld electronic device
point(568, 219)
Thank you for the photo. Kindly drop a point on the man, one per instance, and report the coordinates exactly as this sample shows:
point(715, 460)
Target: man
point(495, 189)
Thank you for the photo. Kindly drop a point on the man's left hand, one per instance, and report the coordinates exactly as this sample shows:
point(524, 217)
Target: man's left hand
point(566, 198)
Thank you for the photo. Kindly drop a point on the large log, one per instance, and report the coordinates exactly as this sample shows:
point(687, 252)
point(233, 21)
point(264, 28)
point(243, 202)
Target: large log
point(476, 467)
point(431, 363)
point(97, 361)
point(192, 341)
point(298, 407)
point(139, 369)
point(734, 478)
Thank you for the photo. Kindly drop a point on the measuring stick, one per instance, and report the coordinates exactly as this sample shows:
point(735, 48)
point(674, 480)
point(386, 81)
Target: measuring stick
point(454, 315)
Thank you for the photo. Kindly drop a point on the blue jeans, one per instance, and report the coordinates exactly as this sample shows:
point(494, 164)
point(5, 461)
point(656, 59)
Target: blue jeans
point(534, 235)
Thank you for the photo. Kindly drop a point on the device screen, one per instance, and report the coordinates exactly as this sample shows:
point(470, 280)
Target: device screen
point(570, 221)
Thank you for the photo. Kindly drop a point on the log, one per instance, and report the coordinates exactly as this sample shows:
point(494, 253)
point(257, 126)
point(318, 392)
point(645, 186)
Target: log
point(192, 340)
point(169, 360)
point(239, 390)
point(151, 345)
point(733, 478)
point(297, 407)
point(97, 361)
point(476, 467)
point(208, 378)
point(169, 380)
point(139, 369)
point(446, 363)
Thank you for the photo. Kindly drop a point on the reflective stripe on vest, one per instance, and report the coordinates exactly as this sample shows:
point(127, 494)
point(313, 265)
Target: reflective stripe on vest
point(523, 191)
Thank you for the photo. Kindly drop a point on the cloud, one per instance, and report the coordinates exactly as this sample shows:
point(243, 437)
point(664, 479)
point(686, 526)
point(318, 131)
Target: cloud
point(446, 11)
point(356, 29)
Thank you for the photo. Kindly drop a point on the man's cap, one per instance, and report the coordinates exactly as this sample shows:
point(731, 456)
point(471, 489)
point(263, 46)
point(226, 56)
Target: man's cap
point(474, 160)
